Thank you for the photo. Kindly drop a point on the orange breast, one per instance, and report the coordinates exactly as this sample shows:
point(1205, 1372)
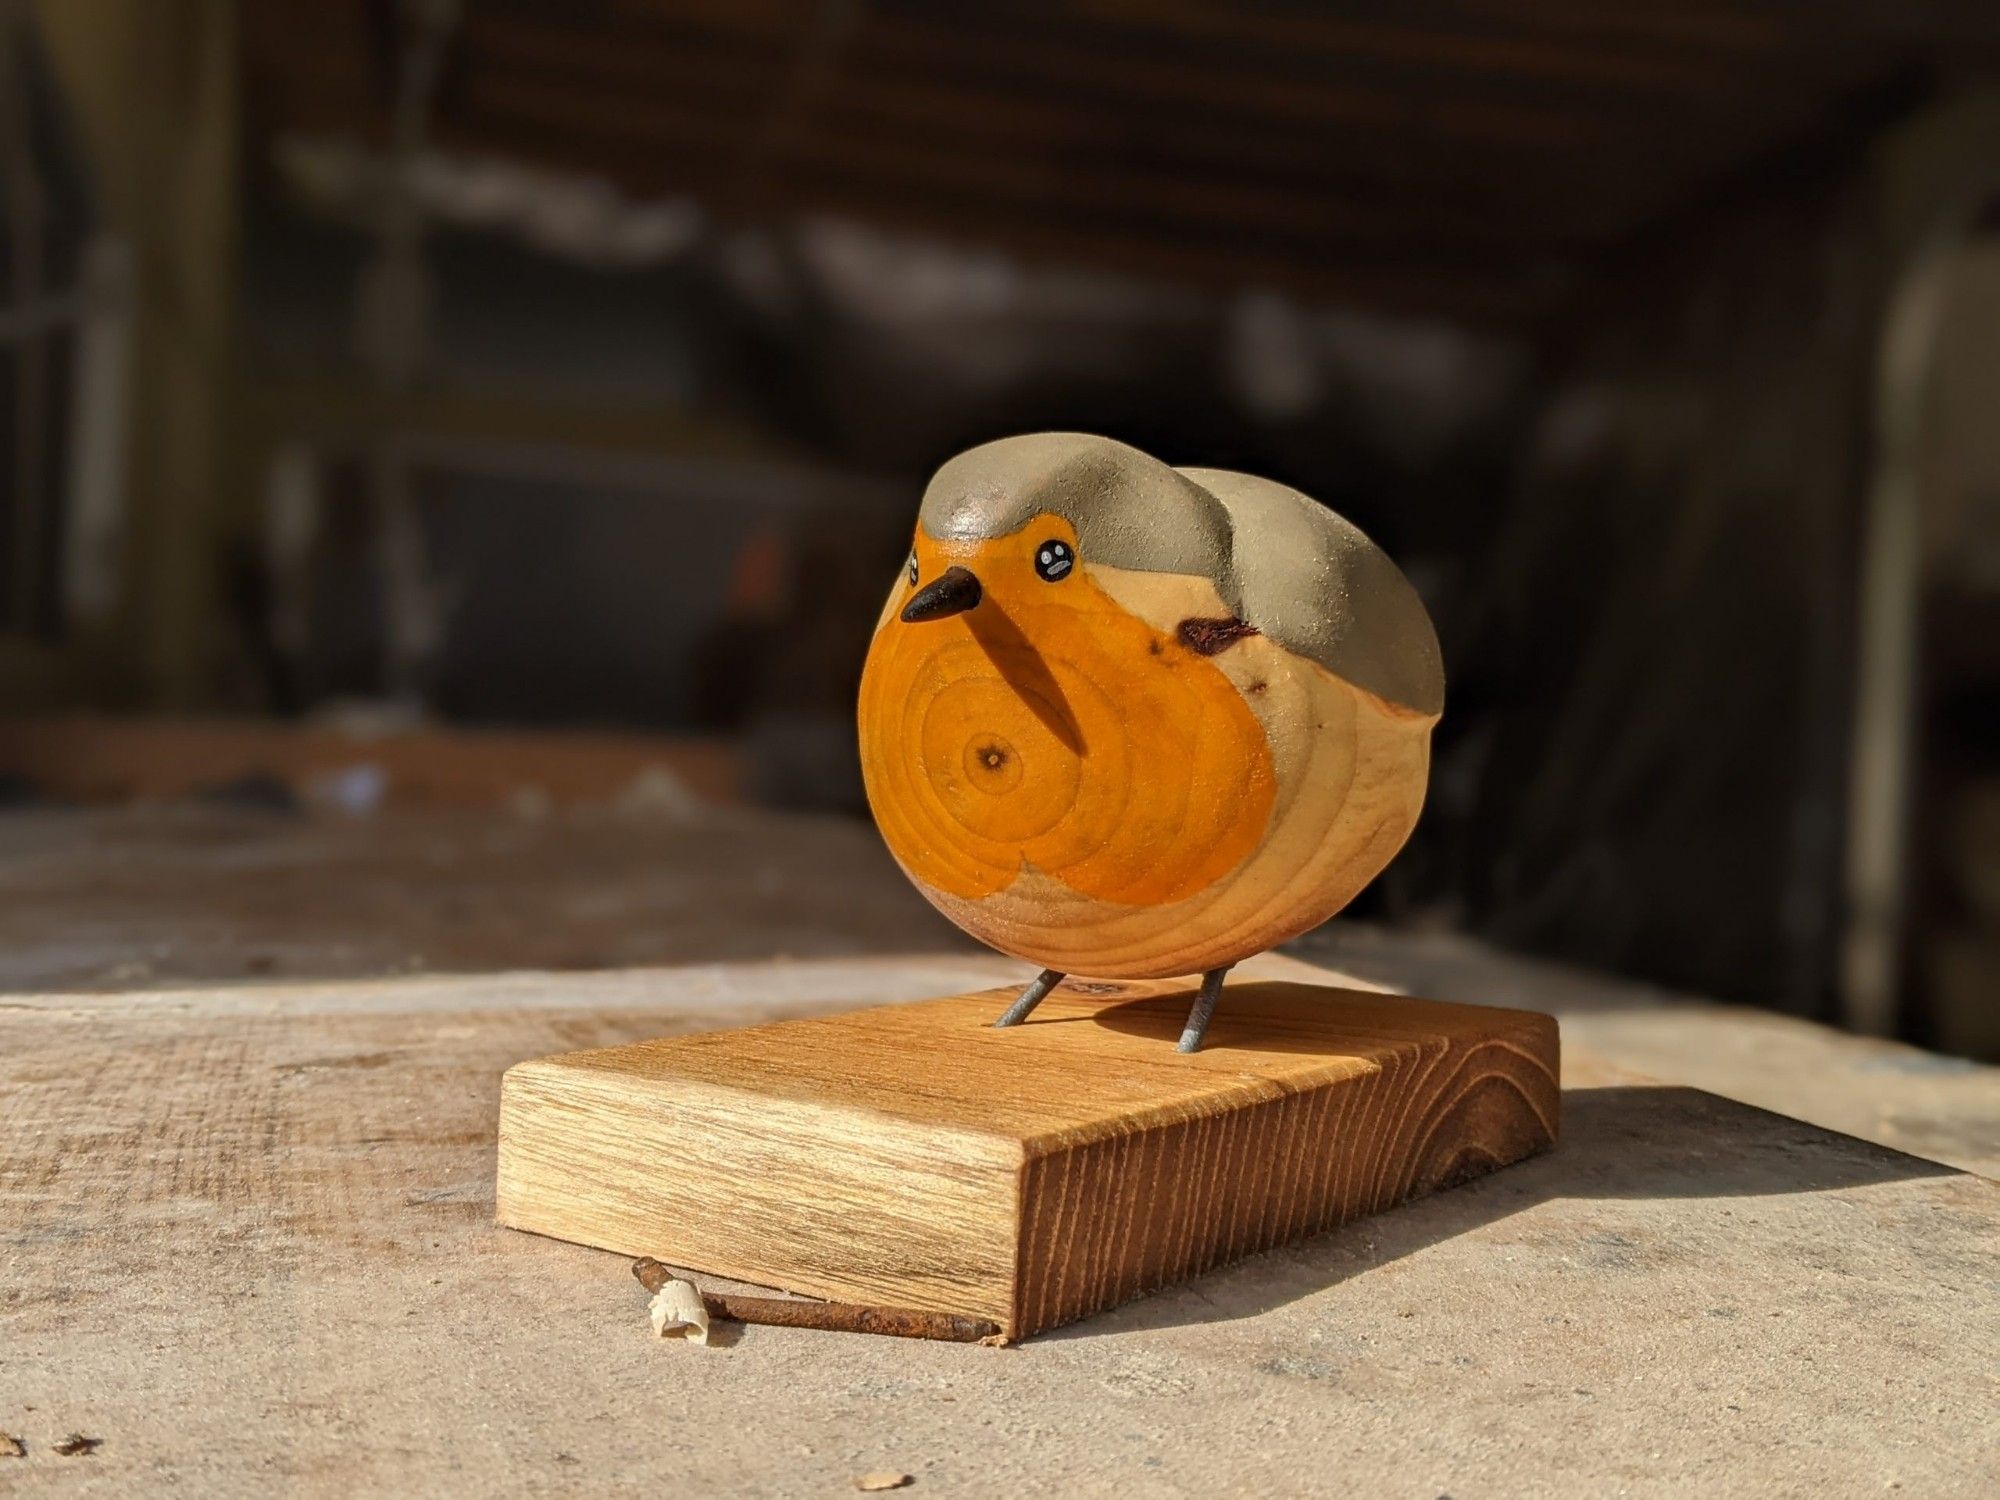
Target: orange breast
point(1050, 730)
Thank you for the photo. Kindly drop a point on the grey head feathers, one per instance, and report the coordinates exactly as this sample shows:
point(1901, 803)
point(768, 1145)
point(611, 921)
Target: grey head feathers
point(1284, 563)
point(1129, 510)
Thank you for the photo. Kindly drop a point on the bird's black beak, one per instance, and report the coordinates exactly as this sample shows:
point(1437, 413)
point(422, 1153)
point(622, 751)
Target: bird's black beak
point(952, 592)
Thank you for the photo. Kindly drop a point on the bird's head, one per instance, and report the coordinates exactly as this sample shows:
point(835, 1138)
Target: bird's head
point(1012, 524)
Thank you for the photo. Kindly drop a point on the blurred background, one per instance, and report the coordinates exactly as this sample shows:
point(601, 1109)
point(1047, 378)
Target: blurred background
point(474, 438)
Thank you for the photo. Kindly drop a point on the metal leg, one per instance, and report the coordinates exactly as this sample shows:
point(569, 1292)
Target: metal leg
point(1204, 1010)
point(1036, 992)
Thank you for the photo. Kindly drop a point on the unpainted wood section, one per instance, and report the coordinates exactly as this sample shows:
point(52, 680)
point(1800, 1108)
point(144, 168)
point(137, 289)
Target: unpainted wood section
point(1431, 1111)
point(914, 1156)
point(759, 1187)
point(1088, 1062)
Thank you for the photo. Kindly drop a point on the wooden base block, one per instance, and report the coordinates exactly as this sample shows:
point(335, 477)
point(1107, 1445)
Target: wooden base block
point(912, 1156)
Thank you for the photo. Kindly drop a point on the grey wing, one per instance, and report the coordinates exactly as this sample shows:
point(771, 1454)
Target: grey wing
point(1313, 583)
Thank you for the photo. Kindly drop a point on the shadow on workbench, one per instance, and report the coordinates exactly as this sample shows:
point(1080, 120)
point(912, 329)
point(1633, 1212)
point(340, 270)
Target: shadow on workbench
point(1628, 1142)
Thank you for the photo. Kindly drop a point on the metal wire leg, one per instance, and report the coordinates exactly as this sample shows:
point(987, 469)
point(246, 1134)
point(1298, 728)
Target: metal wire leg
point(1204, 1010)
point(1036, 992)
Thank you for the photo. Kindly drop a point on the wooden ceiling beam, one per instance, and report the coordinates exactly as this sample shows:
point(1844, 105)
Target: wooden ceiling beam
point(684, 147)
point(1428, 38)
point(884, 63)
point(1103, 234)
point(1723, 26)
point(1456, 194)
point(1044, 69)
point(1475, 151)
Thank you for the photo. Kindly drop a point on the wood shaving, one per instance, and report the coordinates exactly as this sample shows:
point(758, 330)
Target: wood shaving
point(882, 1479)
point(679, 1313)
point(835, 1317)
point(11, 1446)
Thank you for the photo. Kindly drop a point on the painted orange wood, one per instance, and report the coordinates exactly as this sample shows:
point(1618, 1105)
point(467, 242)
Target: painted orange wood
point(912, 1156)
point(1055, 731)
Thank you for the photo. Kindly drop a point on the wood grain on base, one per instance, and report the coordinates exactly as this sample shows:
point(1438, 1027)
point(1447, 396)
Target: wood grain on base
point(913, 1156)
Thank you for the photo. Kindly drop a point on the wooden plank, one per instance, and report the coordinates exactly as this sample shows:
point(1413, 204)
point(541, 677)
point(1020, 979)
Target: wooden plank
point(1028, 1177)
point(93, 758)
point(246, 1240)
point(204, 896)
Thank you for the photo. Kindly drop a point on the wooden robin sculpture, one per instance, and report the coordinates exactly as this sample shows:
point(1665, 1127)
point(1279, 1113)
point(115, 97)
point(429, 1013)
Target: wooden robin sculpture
point(1130, 721)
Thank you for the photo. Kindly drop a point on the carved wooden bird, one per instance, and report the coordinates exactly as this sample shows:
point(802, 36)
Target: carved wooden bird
point(1130, 721)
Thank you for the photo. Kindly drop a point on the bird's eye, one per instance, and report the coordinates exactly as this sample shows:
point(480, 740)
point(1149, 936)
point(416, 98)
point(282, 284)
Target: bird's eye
point(1053, 560)
point(913, 570)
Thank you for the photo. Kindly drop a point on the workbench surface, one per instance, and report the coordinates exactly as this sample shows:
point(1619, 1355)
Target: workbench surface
point(246, 1232)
